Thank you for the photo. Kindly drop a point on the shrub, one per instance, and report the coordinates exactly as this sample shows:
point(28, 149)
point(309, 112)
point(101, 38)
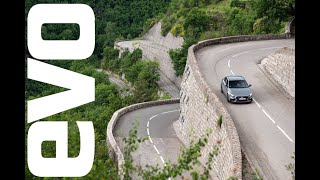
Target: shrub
point(167, 24)
point(196, 19)
point(177, 30)
point(259, 27)
point(240, 21)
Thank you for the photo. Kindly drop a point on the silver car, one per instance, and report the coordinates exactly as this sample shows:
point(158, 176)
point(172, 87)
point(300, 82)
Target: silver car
point(236, 89)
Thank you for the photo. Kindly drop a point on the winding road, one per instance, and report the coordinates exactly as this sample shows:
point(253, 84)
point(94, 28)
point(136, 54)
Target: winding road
point(156, 123)
point(266, 127)
point(162, 144)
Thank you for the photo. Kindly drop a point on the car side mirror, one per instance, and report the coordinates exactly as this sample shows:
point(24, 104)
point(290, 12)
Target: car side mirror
point(249, 85)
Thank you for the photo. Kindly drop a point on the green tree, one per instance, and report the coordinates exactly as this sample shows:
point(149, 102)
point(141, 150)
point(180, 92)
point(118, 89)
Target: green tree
point(270, 14)
point(150, 73)
point(237, 3)
point(110, 59)
point(196, 20)
point(240, 21)
point(124, 19)
point(129, 60)
point(178, 60)
point(67, 35)
point(179, 56)
point(275, 9)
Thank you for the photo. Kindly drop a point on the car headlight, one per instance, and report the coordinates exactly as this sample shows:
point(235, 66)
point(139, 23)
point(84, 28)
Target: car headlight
point(231, 95)
point(250, 94)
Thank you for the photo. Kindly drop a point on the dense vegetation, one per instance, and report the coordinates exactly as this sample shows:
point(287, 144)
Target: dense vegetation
point(140, 74)
point(197, 20)
point(143, 75)
point(99, 112)
point(115, 20)
point(127, 19)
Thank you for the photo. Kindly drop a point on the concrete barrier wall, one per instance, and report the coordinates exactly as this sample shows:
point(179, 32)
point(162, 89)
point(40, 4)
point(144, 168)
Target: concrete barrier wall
point(200, 109)
point(113, 148)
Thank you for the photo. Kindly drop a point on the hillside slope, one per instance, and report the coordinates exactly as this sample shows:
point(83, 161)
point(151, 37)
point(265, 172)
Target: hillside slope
point(196, 20)
point(156, 47)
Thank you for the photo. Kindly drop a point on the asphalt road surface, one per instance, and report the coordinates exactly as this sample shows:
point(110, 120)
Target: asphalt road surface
point(155, 123)
point(162, 144)
point(266, 127)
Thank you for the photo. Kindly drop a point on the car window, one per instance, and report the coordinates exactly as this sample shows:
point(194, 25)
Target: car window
point(238, 84)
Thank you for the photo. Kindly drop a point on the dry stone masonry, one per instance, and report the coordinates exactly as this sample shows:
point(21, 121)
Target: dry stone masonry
point(201, 108)
point(281, 65)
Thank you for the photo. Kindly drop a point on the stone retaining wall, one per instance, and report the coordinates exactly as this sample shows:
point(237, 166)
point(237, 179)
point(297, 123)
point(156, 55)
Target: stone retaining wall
point(169, 41)
point(281, 66)
point(113, 148)
point(200, 109)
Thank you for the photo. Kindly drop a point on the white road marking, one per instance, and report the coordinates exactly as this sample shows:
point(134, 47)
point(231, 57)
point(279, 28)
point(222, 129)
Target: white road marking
point(150, 139)
point(285, 133)
point(256, 103)
point(253, 98)
point(153, 116)
point(244, 52)
point(240, 53)
point(156, 149)
point(162, 159)
point(170, 111)
point(268, 116)
point(271, 48)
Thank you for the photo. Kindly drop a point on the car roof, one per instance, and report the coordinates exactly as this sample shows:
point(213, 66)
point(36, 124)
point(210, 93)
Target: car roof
point(232, 78)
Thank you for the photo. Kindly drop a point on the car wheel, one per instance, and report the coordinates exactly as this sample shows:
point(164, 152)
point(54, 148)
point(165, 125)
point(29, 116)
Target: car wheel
point(221, 89)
